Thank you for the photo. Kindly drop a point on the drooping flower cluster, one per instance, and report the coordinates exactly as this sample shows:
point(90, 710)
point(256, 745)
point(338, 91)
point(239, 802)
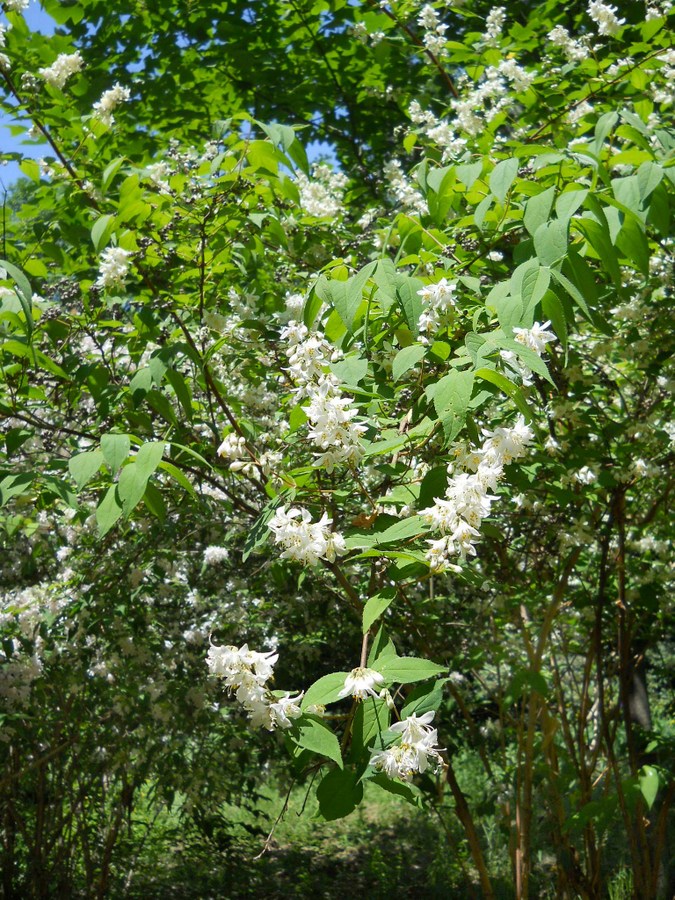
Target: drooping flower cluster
point(304, 540)
point(535, 339)
point(604, 17)
point(103, 108)
point(114, 268)
point(331, 415)
point(434, 32)
point(64, 66)
point(415, 751)
point(490, 96)
point(246, 674)
point(321, 195)
point(494, 24)
point(575, 51)
point(439, 300)
point(467, 498)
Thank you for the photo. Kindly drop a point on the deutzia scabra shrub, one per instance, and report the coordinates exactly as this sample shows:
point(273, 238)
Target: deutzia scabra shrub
point(385, 442)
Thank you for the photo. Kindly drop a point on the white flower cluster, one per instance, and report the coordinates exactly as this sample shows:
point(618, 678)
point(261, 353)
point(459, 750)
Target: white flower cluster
point(441, 133)
point(439, 300)
point(402, 191)
point(16, 5)
point(65, 65)
point(416, 748)
point(321, 195)
point(490, 96)
point(214, 555)
point(494, 24)
point(434, 32)
point(536, 339)
point(103, 108)
point(575, 51)
point(664, 93)
point(657, 9)
point(604, 17)
point(467, 499)
point(234, 449)
point(114, 268)
point(246, 672)
point(304, 540)
point(5, 62)
point(331, 415)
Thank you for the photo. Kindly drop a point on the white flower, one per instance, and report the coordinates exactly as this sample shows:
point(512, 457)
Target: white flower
point(494, 23)
point(114, 268)
point(16, 5)
point(103, 108)
point(361, 682)
point(285, 709)
point(536, 337)
point(415, 750)
point(65, 65)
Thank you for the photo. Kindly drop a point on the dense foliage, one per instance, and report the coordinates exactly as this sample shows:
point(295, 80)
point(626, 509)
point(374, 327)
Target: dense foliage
point(373, 452)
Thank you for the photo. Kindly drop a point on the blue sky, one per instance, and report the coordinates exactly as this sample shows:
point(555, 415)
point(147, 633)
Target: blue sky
point(38, 20)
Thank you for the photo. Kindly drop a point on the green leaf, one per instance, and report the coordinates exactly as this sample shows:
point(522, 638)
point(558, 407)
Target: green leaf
point(14, 486)
point(131, 486)
point(116, 449)
point(538, 209)
point(573, 291)
point(550, 242)
point(402, 530)
point(649, 177)
point(409, 792)
point(649, 784)
point(351, 370)
point(376, 605)
point(509, 388)
point(101, 231)
point(108, 511)
point(406, 358)
point(411, 302)
point(451, 397)
point(554, 311)
point(371, 720)
point(535, 282)
point(339, 793)
point(312, 734)
point(325, 690)
point(23, 291)
point(149, 457)
point(434, 484)
point(84, 466)
point(406, 669)
point(347, 296)
point(501, 178)
point(423, 699)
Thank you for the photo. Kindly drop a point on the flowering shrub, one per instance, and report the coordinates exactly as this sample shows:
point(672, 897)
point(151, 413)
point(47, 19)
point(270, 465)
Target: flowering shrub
point(409, 434)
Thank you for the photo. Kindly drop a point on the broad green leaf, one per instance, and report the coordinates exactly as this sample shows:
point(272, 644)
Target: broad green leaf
point(14, 486)
point(411, 302)
point(101, 231)
point(402, 530)
point(108, 511)
point(538, 209)
point(408, 792)
point(325, 690)
point(149, 456)
point(423, 699)
point(451, 401)
point(376, 605)
point(339, 794)
point(115, 449)
point(131, 486)
point(550, 242)
point(649, 176)
point(649, 784)
point(84, 466)
point(371, 720)
point(406, 358)
point(501, 178)
point(407, 669)
point(554, 311)
point(311, 734)
point(573, 291)
point(352, 369)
